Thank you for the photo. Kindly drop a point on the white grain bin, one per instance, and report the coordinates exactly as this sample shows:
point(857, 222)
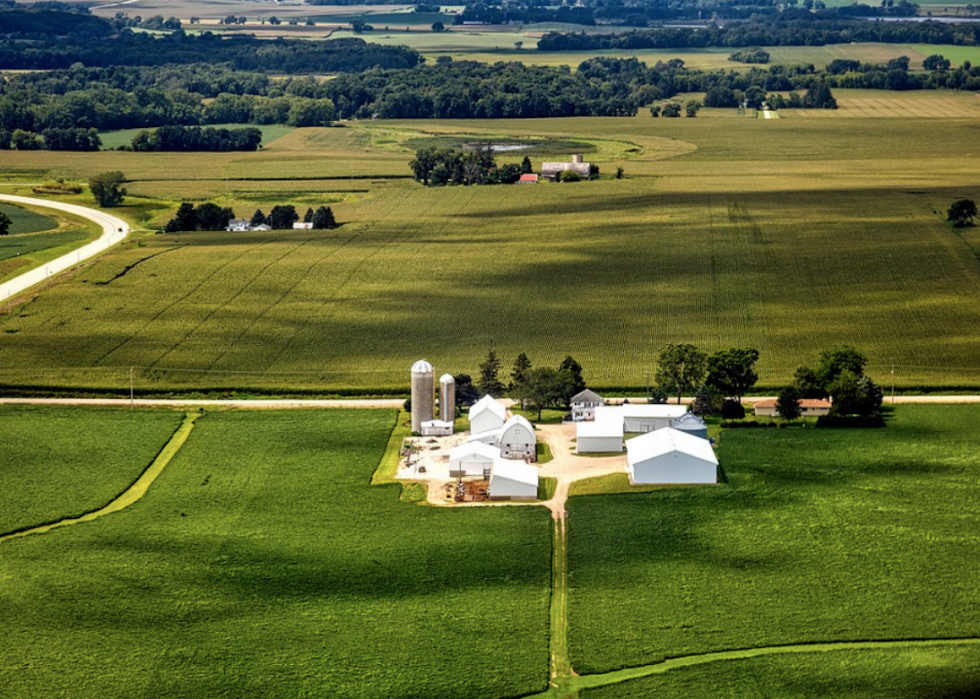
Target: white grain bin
point(447, 398)
point(423, 394)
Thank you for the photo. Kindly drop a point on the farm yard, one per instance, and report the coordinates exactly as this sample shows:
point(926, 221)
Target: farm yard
point(267, 566)
point(709, 239)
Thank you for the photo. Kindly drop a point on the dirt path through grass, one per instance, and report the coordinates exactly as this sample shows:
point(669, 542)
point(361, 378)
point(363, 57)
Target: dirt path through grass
point(132, 494)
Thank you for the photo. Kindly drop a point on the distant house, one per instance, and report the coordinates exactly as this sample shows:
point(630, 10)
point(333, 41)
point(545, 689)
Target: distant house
point(809, 407)
point(671, 456)
point(692, 424)
point(551, 171)
point(528, 179)
point(261, 227)
point(486, 415)
point(473, 459)
point(513, 480)
point(515, 438)
point(238, 224)
point(584, 404)
point(303, 226)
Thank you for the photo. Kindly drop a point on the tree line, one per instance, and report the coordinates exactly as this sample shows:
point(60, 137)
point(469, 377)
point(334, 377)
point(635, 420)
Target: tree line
point(788, 28)
point(438, 167)
point(535, 388)
point(194, 138)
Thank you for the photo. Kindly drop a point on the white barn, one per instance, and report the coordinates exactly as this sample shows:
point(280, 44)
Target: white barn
point(513, 480)
point(584, 404)
point(599, 436)
point(515, 439)
point(671, 456)
point(486, 415)
point(473, 459)
point(647, 417)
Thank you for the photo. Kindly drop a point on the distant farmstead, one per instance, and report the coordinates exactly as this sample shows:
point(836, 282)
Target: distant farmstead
point(552, 171)
point(809, 407)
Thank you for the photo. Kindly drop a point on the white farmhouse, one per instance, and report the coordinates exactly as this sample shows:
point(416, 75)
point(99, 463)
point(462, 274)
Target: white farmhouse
point(602, 435)
point(515, 439)
point(671, 456)
point(238, 224)
point(473, 459)
point(513, 480)
point(584, 404)
point(644, 417)
point(486, 415)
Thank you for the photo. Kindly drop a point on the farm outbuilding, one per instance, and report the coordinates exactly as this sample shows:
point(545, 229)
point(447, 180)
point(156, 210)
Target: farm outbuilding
point(671, 456)
point(515, 439)
point(584, 404)
point(486, 415)
point(692, 424)
point(599, 436)
point(513, 480)
point(809, 407)
point(437, 428)
point(644, 417)
point(552, 171)
point(473, 459)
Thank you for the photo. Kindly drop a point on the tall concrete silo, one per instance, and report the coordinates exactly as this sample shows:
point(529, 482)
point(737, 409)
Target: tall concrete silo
point(447, 398)
point(423, 394)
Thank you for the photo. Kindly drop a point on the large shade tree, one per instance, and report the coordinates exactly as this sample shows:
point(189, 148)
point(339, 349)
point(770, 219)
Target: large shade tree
point(681, 368)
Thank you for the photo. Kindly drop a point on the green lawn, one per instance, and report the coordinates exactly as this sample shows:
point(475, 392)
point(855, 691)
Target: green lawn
point(819, 536)
point(60, 462)
point(261, 563)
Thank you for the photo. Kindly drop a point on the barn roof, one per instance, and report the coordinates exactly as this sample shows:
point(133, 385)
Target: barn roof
point(661, 410)
point(587, 396)
point(516, 471)
point(488, 403)
point(474, 449)
point(666, 441)
point(599, 428)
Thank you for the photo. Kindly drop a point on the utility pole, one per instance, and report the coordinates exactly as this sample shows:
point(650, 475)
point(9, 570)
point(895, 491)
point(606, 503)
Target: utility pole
point(131, 396)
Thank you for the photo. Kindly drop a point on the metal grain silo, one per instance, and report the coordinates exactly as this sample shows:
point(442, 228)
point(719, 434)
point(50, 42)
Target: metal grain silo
point(423, 394)
point(447, 398)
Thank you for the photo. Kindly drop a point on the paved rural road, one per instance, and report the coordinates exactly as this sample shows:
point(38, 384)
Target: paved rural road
point(114, 230)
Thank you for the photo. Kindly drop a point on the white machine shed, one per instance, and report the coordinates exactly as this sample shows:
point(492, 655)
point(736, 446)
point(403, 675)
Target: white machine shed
point(671, 456)
point(513, 480)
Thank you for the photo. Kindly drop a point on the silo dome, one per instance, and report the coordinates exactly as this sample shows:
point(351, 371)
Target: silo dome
point(421, 367)
point(447, 378)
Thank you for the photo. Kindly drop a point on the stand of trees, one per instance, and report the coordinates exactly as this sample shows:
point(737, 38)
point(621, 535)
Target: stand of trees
point(452, 166)
point(193, 138)
point(839, 375)
point(206, 217)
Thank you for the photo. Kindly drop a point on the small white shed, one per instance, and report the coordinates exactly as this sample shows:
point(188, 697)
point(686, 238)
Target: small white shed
point(486, 415)
point(513, 480)
point(599, 437)
point(437, 428)
point(671, 456)
point(473, 459)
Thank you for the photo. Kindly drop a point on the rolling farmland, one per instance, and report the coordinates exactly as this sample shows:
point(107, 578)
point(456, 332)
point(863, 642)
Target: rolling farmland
point(794, 236)
point(262, 563)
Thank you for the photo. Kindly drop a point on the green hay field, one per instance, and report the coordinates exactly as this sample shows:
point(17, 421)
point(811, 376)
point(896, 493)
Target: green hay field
point(262, 563)
point(789, 235)
point(26, 221)
point(36, 238)
point(913, 673)
point(59, 462)
point(819, 536)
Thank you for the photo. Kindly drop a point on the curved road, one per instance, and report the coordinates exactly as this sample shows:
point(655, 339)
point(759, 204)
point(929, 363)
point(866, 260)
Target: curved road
point(114, 230)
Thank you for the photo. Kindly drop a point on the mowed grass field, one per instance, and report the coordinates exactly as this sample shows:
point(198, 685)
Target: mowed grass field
point(790, 236)
point(818, 536)
point(261, 563)
point(59, 462)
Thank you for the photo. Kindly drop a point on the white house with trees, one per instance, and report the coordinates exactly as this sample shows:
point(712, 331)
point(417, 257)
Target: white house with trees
point(670, 456)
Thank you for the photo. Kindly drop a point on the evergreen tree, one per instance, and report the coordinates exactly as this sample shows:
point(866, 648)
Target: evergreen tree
point(5, 224)
point(184, 220)
point(283, 217)
point(489, 383)
point(308, 216)
point(526, 168)
point(788, 403)
point(518, 388)
point(258, 218)
point(323, 218)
